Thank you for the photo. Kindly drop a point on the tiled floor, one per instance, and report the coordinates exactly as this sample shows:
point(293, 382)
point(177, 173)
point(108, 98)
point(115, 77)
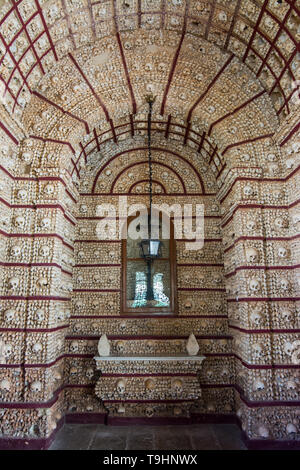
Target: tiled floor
point(192, 437)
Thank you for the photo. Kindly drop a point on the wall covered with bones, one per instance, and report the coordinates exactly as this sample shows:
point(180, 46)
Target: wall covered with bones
point(74, 75)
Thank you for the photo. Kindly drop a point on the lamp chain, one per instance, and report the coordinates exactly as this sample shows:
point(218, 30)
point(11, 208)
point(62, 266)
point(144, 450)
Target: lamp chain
point(150, 157)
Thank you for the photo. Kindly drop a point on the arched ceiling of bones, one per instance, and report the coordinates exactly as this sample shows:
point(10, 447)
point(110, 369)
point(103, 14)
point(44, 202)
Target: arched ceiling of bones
point(76, 72)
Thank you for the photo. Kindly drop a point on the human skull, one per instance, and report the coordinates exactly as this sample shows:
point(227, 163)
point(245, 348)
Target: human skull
point(120, 346)
point(42, 282)
point(16, 250)
point(80, 254)
point(258, 385)
point(121, 386)
point(73, 371)
point(49, 189)
point(263, 431)
point(288, 348)
point(44, 250)
point(40, 314)
point(291, 428)
point(280, 223)
point(286, 314)
point(19, 221)
point(79, 304)
point(36, 386)
point(74, 346)
point(150, 384)
point(89, 373)
point(251, 255)
point(14, 282)
point(282, 252)
point(37, 347)
point(251, 224)
point(9, 314)
point(149, 412)
point(46, 222)
point(257, 348)
point(248, 191)
point(284, 284)
point(22, 194)
point(255, 317)
point(177, 386)
point(27, 157)
point(254, 285)
point(5, 385)
point(83, 208)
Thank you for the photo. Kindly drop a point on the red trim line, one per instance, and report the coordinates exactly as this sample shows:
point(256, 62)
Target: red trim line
point(209, 87)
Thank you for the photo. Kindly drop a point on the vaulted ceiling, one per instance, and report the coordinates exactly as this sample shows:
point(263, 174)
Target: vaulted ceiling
point(77, 71)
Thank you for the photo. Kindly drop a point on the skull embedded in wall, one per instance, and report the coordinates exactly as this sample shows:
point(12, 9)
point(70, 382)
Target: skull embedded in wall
point(19, 221)
point(37, 348)
point(291, 428)
point(248, 191)
point(44, 250)
point(150, 384)
point(263, 431)
point(40, 314)
point(251, 224)
point(74, 346)
point(49, 189)
point(83, 208)
point(120, 346)
point(14, 283)
point(254, 285)
point(27, 157)
point(282, 252)
point(9, 314)
point(5, 385)
point(286, 315)
point(81, 254)
point(149, 412)
point(36, 386)
point(45, 222)
point(42, 282)
point(89, 373)
point(16, 250)
point(280, 223)
point(257, 349)
point(120, 385)
point(284, 283)
point(177, 386)
point(251, 255)
point(258, 385)
point(255, 317)
point(22, 194)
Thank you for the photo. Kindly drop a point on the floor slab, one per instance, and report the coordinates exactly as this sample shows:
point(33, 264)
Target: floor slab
point(189, 437)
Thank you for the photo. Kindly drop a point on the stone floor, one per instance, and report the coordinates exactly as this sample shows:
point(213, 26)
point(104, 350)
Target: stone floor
point(192, 437)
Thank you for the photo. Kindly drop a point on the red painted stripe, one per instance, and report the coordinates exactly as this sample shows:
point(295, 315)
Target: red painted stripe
point(90, 87)
point(46, 28)
point(47, 139)
point(146, 162)
point(28, 36)
point(248, 141)
point(231, 113)
point(262, 10)
point(8, 133)
point(174, 63)
point(190, 113)
point(145, 148)
point(43, 98)
point(291, 133)
point(233, 22)
point(133, 102)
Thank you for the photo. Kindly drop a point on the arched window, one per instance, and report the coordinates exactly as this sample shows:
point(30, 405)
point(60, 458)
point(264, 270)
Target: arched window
point(148, 286)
